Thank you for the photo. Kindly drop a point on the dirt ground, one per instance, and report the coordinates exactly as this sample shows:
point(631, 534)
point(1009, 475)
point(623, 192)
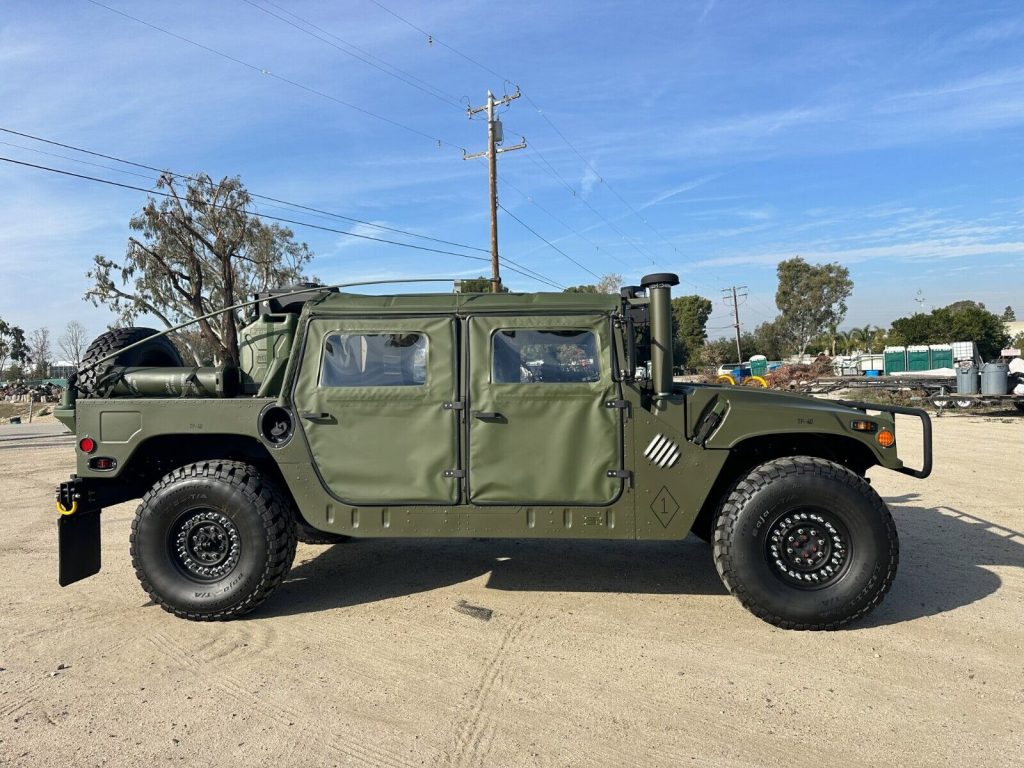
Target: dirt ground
point(492, 653)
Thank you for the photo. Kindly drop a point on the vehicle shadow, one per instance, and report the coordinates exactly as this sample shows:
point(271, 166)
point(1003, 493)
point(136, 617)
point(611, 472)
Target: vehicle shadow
point(369, 570)
point(943, 554)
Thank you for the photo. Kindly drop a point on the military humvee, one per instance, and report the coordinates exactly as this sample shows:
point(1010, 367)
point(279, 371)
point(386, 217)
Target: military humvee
point(469, 415)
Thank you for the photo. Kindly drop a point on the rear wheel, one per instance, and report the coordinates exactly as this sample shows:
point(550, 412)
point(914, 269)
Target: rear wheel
point(212, 540)
point(158, 352)
point(804, 543)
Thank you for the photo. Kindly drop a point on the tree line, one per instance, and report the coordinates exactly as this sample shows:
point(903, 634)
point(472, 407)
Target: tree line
point(29, 356)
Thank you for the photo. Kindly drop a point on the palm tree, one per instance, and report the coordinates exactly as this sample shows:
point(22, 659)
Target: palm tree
point(833, 329)
point(840, 341)
point(863, 336)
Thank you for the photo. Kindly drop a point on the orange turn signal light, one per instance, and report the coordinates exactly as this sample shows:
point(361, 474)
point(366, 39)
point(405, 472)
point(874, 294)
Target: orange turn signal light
point(886, 439)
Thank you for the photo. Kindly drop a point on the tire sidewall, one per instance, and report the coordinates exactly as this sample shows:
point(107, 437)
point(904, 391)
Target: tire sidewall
point(155, 558)
point(157, 352)
point(859, 511)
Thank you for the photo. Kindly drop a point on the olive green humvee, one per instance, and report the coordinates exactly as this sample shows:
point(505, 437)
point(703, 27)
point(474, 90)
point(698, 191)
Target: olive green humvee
point(469, 415)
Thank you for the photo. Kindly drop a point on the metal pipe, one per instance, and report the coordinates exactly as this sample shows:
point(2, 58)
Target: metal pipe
point(175, 382)
point(659, 289)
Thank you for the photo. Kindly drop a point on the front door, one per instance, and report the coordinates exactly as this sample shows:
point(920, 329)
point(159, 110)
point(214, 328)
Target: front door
point(542, 426)
point(371, 397)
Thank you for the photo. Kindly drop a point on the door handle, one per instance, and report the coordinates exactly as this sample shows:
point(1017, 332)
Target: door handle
point(486, 415)
point(315, 416)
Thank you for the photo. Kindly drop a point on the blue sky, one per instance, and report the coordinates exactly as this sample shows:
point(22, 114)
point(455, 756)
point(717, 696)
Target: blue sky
point(708, 138)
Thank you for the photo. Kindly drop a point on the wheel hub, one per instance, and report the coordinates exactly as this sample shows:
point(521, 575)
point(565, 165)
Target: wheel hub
point(807, 549)
point(207, 545)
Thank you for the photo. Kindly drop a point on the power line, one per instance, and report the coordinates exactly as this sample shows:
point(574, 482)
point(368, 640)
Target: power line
point(74, 159)
point(296, 84)
point(283, 220)
point(590, 207)
point(550, 170)
point(154, 169)
point(399, 74)
point(280, 78)
point(552, 245)
point(433, 39)
point(264, 71)
point(532, 201)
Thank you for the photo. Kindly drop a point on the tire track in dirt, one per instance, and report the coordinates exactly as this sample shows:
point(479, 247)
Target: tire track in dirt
point(476, 731)
point(310, 744)
point(24, 697)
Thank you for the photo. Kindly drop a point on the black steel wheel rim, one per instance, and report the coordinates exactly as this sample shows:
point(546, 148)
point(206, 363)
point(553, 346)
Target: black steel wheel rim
point(205, 544)
point(808, 548)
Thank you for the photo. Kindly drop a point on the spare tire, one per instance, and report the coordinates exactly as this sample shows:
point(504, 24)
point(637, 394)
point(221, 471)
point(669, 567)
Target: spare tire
point(158, 352)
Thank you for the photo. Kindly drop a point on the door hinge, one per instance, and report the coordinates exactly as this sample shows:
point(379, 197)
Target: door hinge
point(454, 473)
point(453, 405)
point(620, 404)
point(625, 474)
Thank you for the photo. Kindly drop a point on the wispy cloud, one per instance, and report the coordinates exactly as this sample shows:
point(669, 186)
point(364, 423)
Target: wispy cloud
point(589, 180)
point(926, 249)
point(685, 187)
point(708, 7)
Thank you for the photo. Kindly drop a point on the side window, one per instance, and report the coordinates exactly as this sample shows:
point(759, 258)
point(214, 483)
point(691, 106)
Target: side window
point(374, 360)
point(524, 356)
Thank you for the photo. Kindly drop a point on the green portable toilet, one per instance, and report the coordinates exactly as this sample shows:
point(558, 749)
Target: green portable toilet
point(941, 356)
point(894, 360)
point(918, 358)
point(758, 365)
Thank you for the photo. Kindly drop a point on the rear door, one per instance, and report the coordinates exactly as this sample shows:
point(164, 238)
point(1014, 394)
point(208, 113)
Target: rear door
point(542, 426)
point(371, 396)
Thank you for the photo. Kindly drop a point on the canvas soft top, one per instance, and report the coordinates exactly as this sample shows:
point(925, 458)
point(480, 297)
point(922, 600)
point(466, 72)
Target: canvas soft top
point(466, 303)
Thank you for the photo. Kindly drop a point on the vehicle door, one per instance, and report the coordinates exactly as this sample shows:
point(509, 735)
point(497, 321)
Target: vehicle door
point(543, 426)
point(374, 400)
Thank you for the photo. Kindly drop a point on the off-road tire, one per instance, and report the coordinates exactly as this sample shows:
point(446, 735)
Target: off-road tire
point(158, 352)
point(307, 534)
point(247, 507)
point(764, 502)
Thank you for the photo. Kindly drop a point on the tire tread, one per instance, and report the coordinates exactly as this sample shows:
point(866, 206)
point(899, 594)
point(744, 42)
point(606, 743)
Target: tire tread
point(773, 471)
point(276, 514)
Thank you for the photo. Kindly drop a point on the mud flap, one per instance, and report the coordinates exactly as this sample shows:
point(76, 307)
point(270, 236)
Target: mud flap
point(78, 541)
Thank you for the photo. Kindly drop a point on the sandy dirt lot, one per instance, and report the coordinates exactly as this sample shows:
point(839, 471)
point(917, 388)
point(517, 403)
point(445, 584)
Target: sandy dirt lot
point(587, 654)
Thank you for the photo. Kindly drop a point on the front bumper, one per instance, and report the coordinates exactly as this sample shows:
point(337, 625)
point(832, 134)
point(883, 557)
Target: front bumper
point(926, 430)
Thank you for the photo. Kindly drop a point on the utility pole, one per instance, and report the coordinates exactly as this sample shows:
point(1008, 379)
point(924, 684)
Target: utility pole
point(736, 313)
point(494, 140)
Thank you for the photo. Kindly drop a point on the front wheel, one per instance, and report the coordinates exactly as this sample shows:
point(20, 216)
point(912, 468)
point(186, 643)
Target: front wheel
point(804, 543)
point(212, 540)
